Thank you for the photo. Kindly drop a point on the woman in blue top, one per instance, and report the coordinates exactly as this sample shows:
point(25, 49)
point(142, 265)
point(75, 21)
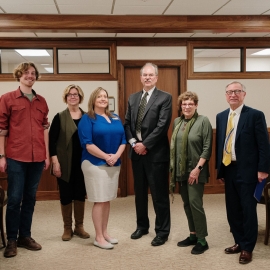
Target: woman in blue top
point(103, 141)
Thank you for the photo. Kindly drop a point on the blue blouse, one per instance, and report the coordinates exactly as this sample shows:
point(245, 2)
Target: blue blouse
point(106, 136)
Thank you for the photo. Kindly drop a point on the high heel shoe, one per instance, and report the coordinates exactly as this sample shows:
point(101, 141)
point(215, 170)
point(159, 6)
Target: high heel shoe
point(106, 246)
point(112, 240)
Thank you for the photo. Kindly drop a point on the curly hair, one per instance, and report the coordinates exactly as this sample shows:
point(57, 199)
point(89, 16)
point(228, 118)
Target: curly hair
point(186, 96)
point(22, 67)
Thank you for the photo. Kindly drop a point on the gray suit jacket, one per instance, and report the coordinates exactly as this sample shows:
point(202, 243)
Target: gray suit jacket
point(155, 124)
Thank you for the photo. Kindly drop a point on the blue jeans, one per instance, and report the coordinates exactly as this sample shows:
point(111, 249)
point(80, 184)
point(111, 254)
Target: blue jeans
point(23, 180)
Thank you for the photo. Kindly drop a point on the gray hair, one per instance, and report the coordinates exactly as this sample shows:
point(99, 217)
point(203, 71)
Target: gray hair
point(235, 82)
point(150, 64)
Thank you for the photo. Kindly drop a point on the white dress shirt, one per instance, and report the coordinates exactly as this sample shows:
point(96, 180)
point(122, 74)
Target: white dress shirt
point(236, 120)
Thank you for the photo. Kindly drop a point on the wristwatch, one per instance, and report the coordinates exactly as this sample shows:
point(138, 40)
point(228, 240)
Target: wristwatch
point(133, 144)
point(200, 167)
point(2, 155)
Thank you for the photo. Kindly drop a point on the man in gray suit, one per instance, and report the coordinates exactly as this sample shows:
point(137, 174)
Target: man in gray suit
point(146, 124)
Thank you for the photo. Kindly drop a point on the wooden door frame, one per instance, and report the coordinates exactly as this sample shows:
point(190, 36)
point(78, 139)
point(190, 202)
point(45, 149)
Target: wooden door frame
point(122, 64)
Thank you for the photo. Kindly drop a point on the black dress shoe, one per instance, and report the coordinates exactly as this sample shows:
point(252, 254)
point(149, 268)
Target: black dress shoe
point(245, 257)
point(158, 241)
point(233, 250)
point(138, 234)
point(199, 248)
point(187, 242)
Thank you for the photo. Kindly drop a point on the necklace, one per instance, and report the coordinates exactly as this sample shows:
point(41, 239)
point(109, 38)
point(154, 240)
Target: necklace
point(184, 125)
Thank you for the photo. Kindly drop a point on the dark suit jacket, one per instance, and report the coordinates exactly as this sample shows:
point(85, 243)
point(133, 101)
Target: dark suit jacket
point(251, 143)
point(155, 124)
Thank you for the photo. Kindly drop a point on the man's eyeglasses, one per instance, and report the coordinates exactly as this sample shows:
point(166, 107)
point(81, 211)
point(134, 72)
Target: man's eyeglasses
point(236, 92)
point(187, 105)
point(151, 75)
point(72, 95)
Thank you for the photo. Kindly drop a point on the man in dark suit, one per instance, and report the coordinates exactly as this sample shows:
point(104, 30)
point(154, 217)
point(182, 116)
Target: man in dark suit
point(242, 160)
point(146, 124)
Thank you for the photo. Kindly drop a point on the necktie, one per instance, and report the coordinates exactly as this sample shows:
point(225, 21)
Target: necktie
point(227, 153)
point(141, 112)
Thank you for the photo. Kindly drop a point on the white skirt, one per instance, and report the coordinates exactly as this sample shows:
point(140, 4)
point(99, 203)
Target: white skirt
point(101, 182)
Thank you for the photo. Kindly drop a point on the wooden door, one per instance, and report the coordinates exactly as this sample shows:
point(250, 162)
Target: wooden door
point(170, 75)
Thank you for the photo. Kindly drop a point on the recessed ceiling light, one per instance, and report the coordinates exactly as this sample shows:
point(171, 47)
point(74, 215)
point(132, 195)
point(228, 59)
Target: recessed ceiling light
point(49, 69)
point(262, 52)
point(32, 52)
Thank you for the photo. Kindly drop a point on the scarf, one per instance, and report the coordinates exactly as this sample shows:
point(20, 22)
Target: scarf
point(183, 154)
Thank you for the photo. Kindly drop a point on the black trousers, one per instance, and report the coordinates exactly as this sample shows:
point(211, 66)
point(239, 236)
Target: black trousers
point(155, 176)
point(241, 208)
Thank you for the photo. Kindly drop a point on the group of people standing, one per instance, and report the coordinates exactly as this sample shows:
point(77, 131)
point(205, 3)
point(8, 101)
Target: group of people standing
point(85, 150)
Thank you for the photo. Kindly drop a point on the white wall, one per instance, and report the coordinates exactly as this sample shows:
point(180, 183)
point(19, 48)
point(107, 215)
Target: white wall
point(52, 92)
point(158, 53)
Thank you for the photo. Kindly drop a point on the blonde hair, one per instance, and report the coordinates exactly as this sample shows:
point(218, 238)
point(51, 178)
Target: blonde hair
point(185, 96)
point(92, 100)
point(78, 88)
point(22, 67)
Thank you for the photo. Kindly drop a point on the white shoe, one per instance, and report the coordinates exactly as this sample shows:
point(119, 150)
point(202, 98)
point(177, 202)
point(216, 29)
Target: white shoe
point(106, 246)
point(112, 240)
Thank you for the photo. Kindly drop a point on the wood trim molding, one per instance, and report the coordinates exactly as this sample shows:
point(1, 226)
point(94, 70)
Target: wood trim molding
point(47, 195)
point(55, 44)
point(134, 24)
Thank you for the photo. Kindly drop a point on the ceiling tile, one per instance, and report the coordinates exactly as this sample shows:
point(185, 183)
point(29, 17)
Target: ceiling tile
point(17, 34)
point(217, 53)
point(96, 34)
point(244, 7)
point(193, 7)
point(135, 34)
point(212, 35)
point(138, 10)
point(26, 2)
point(12, 6)
point(142, 2)
point(85, 2)
point(173, 35)
point(249, 34)
point(85, 9)
point(47, 34)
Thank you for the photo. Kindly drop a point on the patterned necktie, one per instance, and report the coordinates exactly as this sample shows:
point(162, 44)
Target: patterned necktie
point(227, 153)
point(141, 112)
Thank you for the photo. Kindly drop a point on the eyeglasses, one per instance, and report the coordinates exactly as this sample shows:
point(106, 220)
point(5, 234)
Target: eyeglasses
point(151, 75)
point(73, 95)
point(187, 105)
point(236, 92)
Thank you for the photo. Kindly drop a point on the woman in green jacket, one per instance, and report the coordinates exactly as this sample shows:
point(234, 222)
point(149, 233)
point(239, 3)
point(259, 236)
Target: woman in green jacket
point(191, 147)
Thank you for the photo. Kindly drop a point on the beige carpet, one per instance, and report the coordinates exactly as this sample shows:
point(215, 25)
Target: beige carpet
point(134, 254)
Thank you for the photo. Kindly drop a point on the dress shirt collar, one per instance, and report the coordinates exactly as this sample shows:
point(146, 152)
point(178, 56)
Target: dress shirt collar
point(150, 92)
point(238, 110)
